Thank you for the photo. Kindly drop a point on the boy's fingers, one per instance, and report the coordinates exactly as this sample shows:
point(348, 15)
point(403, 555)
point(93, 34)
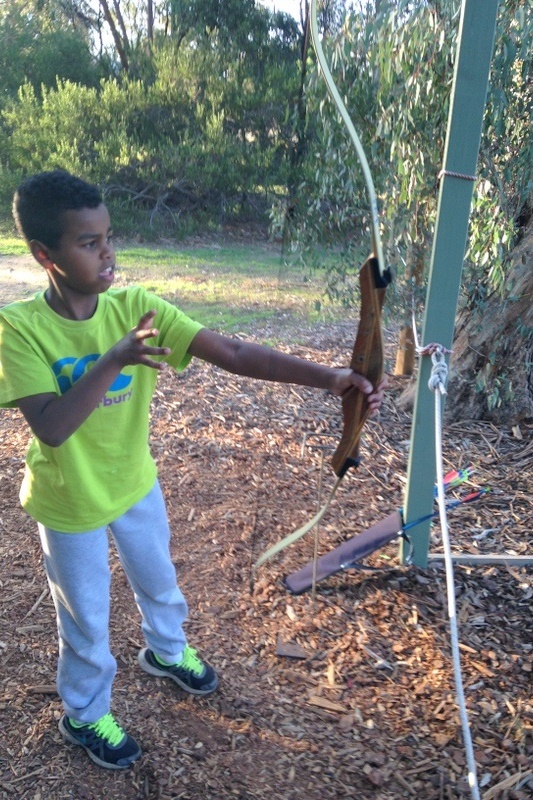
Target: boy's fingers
point(145, 319)
point(146, 333)
point(149, 362)
point(156, 351)
point(361, 383)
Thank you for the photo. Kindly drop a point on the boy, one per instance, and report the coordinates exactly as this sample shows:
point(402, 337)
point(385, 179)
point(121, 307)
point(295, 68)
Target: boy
point(80, 361)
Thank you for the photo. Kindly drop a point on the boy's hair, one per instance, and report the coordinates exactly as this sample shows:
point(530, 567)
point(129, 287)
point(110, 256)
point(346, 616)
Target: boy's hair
point(40, 202)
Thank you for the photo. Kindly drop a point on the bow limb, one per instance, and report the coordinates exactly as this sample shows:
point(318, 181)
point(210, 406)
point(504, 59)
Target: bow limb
point(295, 535)
point(334, 93)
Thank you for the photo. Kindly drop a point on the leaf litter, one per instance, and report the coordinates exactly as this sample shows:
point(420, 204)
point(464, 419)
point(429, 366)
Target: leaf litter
point(347, 693)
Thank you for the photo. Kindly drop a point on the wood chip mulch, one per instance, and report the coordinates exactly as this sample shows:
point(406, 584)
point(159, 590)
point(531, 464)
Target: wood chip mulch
point(349, 693)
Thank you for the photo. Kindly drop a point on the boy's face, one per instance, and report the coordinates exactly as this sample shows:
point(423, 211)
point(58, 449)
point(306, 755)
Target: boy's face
point(84, 261)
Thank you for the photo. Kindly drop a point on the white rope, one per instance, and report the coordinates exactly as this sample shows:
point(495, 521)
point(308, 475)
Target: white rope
point(413, 325)
point(437, 384)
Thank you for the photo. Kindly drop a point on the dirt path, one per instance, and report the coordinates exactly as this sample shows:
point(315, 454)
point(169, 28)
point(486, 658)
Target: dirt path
point(20, 276)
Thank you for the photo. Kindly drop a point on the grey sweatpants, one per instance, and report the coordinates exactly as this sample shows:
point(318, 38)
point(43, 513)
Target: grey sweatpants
point(77, 567)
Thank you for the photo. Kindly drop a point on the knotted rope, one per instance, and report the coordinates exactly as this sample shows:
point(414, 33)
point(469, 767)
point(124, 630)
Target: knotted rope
point(439, 372)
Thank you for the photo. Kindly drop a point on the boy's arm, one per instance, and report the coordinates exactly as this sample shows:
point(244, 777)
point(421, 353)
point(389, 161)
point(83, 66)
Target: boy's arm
point(257, 361)
point(53, 418)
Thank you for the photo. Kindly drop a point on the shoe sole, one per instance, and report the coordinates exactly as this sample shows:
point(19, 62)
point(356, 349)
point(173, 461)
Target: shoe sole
point(66, 734)
point(161, 673)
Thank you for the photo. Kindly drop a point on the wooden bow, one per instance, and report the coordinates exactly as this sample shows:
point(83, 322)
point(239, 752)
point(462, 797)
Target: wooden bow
point(367, 356)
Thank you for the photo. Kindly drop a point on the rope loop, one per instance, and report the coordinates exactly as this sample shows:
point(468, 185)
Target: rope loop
point(449, 173)
point(439, 372)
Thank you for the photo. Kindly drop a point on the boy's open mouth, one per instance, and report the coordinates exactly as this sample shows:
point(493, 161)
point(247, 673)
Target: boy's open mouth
point(108, 272)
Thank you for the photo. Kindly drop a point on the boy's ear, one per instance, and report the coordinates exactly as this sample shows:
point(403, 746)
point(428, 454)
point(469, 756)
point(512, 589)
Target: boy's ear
point(40, 253)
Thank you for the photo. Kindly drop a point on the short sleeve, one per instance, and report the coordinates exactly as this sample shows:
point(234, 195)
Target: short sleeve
point(23, 370)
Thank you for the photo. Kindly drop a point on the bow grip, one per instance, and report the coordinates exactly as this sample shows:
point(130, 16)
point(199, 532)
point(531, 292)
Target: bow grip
point(367, 360)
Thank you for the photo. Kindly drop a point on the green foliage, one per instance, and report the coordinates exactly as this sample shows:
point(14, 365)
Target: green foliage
point(394, 68)
point(37, 48)
point(497, 388)
point(492, 234)
point(203, 124)
point(150, 147)
point(503, 202)
point(507, 149)
point(201, 133)
point(9, 180)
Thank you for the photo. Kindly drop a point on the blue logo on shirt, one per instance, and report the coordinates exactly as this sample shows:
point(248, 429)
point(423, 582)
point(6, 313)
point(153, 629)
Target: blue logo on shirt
point(69, 369)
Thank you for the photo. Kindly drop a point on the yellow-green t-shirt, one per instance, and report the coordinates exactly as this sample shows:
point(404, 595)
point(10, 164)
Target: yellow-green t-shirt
point(106, 466)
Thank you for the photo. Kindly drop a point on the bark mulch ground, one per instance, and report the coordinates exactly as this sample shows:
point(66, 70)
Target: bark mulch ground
point(364, 703)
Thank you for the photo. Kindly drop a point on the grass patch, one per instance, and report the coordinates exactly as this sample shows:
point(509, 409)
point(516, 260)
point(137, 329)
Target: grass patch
point(13, 246)
point(228, 288)
point(239, 259)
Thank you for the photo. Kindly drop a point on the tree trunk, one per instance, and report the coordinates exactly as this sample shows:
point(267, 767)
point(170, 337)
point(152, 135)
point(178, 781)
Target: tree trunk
point(491, 375)
point(150, 20)
point(119, 44)
point(491, 370)
point(121, 25)
point(299, 140)
point(405, 354)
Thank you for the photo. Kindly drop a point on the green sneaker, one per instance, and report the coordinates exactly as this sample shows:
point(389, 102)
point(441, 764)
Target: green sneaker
point(192, 674)
point(104, 741)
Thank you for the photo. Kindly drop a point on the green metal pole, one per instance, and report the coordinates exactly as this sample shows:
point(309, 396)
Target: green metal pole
point(474, 54)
